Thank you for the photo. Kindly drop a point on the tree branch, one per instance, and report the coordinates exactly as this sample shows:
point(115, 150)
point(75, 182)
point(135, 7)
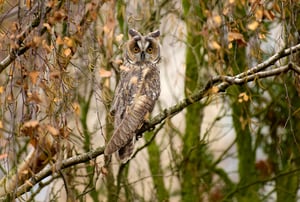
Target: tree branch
point(224, 82)
point(61, 165)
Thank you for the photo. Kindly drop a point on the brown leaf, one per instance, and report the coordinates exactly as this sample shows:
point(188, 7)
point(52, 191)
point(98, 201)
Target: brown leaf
point(34, 76)
point(34, 97)
point(259, 13)
point(269, 15)
point(59, 41)
point(29, 128)
point(28, 4)
point(214, 90)
point(104, 73)
point(52, 130)
point(1, 89)
point(214, 45)
point(59, 15)
point(76, 108)
point(31, 124)
point(236, 36)
point(218, 20)
point(67, 52)
point(253, 25)
point(69, 42)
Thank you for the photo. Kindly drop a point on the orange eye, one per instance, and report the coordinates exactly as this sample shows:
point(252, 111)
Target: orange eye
point(149, 50)
point(136, 49)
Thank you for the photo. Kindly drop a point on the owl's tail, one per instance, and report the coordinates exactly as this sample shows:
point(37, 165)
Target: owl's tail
point(133, 120)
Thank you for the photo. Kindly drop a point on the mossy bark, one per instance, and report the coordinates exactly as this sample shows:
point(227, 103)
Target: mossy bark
point(194, 151)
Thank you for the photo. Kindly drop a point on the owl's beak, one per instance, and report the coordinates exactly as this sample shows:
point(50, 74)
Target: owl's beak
point(142, 56)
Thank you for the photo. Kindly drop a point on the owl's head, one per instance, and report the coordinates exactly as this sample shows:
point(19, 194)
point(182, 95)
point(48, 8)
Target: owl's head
point(142, 49)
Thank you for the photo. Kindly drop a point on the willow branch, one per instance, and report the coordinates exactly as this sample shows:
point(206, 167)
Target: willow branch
point(214, 86)
point(14, 53)
point(221, 83)
point(61, 165)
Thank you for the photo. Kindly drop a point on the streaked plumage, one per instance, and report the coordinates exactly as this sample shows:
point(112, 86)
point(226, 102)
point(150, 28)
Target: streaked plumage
point(136, 93)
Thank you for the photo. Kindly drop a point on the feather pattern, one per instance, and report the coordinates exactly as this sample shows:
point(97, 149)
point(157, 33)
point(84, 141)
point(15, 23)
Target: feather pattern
point(135, 96)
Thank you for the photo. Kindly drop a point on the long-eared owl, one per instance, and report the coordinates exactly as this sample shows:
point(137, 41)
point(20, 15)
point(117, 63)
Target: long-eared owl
point(136, 92)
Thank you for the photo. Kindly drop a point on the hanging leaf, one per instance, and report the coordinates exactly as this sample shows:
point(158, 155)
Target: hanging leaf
point(34, 76)
point(104, 73)
point(214, 45)
point(253, 25)
point(52, 130)
point(67, 52)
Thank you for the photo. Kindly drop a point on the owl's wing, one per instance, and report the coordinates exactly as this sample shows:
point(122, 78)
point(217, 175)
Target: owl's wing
point(120, 95)
point(132, 120)
point(138, 92)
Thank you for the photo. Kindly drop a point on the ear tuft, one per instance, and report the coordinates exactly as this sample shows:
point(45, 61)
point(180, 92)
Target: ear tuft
point(154, 34)
point(133, 32)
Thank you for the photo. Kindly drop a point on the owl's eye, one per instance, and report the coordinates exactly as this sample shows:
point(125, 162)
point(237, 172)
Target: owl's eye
point(136, 49)
point(149, 50)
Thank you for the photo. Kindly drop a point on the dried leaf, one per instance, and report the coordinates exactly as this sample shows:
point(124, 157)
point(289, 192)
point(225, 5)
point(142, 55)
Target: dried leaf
point(261, 36)
point(36, 41)
point(104, 73)
point(59, 41)
point(28, 4)
point(76, 108)
point(214, 90)
point(67, 52)
point(214, 45)
point(52, 130)
point(1, 89)
point(34, 76)
point(259, 13)
point(31, 124)
point(218, 20)
point(59, 15)
point(29, 128)
point(69, 42)
point(234, 36)
point(34, 97)
point(253, 25)
point(46, 46)
point(269, 15)
point(243, 97)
